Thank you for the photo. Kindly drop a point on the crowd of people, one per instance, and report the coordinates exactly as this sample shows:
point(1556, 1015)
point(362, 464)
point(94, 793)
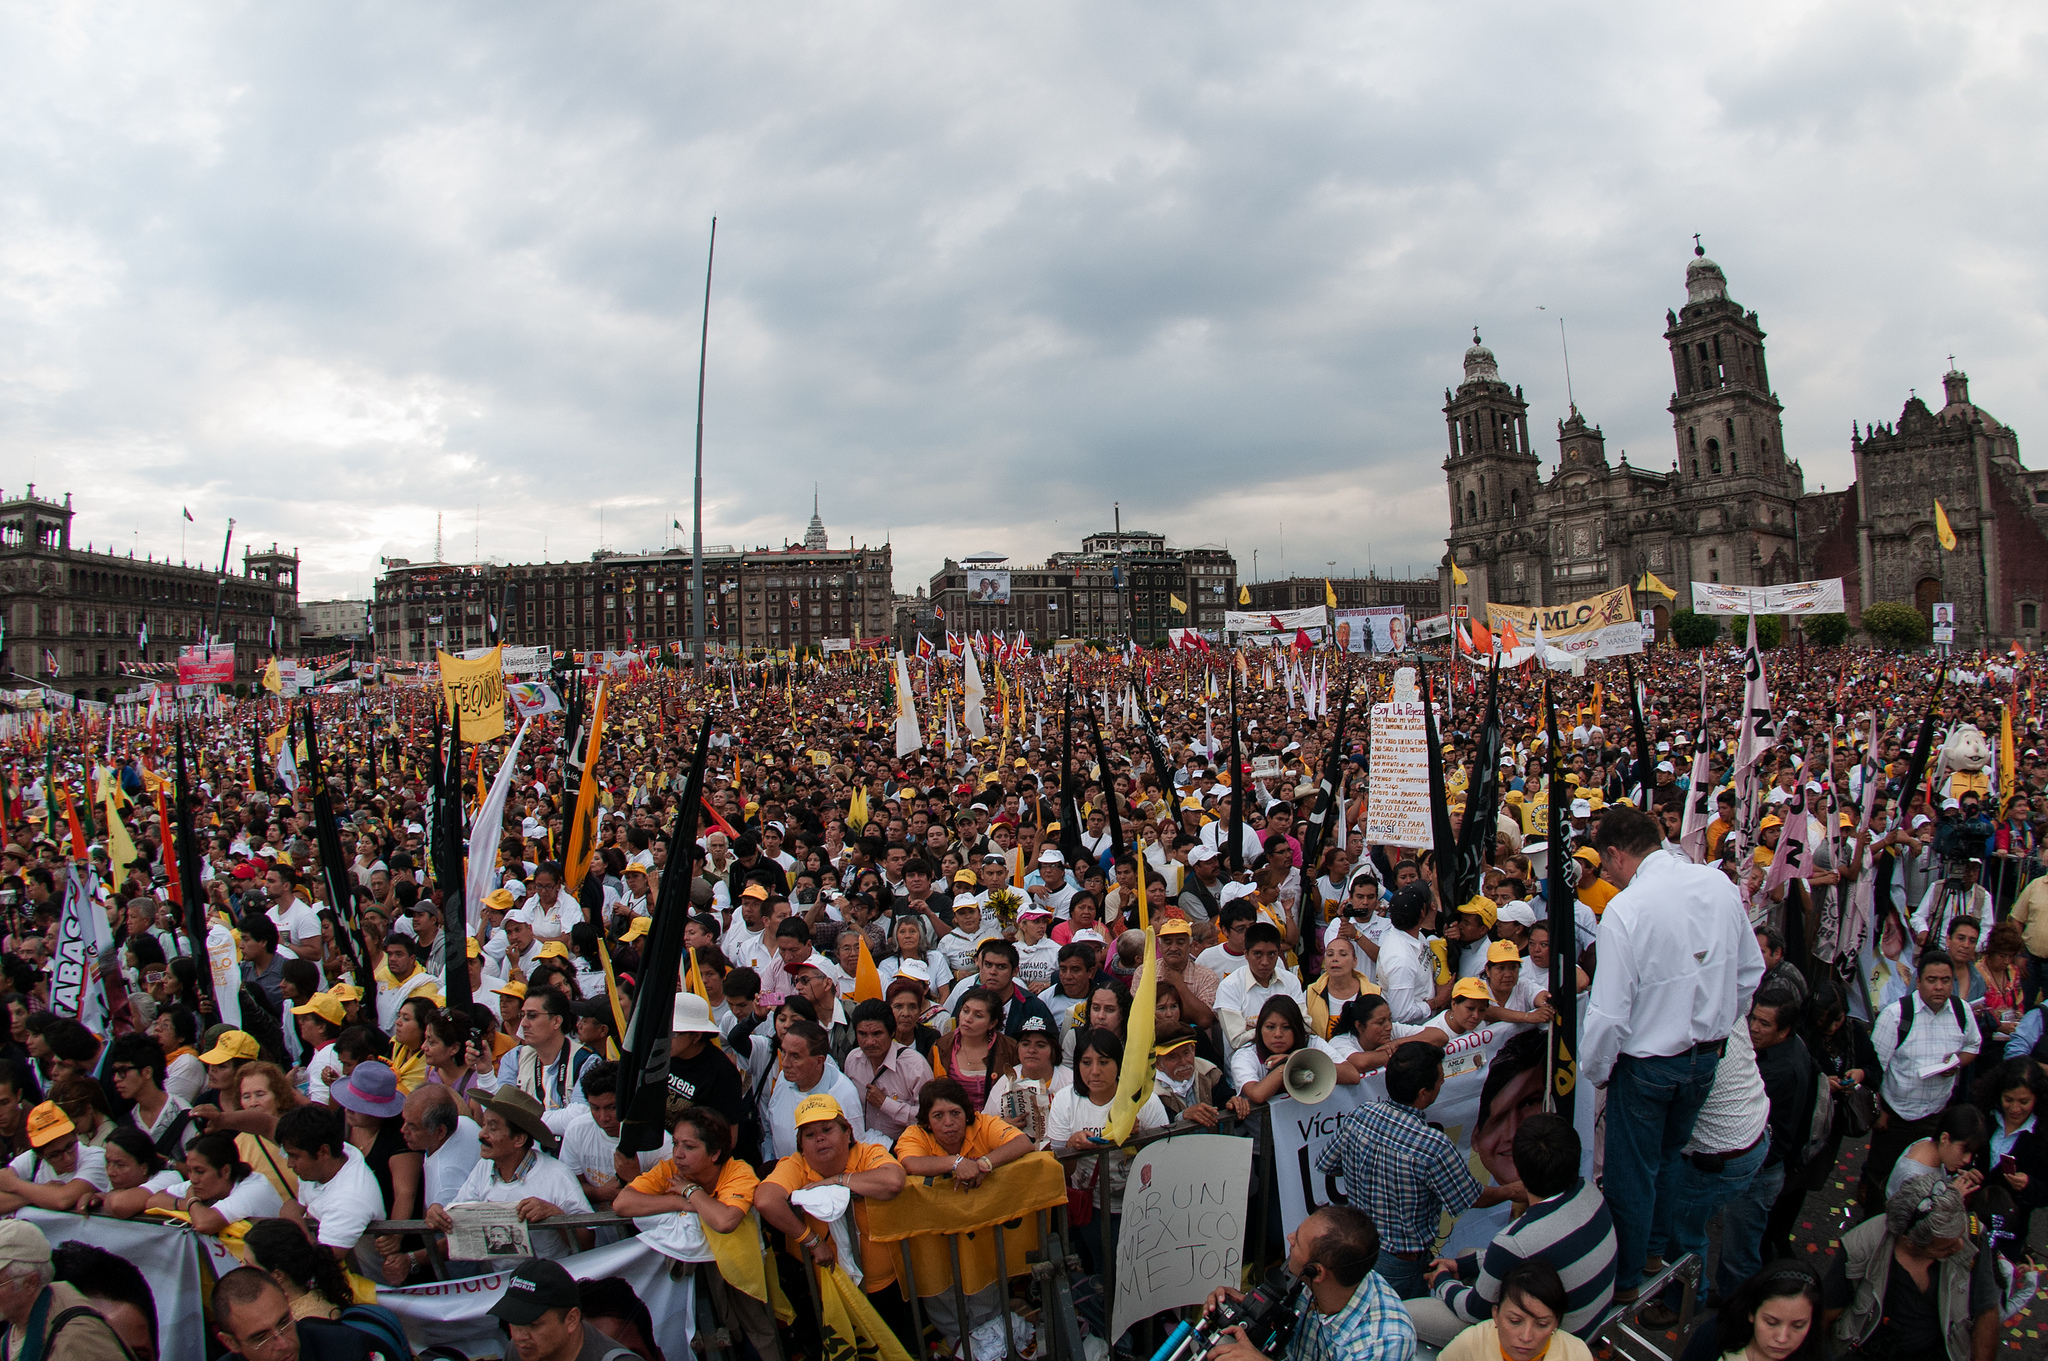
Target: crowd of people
point(923, 966)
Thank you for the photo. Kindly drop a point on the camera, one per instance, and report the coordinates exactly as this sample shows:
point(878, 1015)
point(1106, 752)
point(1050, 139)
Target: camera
point(1267, 1314)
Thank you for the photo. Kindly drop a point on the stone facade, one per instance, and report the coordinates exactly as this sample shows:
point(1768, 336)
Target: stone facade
point(1727, 509)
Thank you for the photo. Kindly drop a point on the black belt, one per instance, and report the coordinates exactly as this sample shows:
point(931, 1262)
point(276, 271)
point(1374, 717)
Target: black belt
point(1713, 1163)
point(1714, 1047)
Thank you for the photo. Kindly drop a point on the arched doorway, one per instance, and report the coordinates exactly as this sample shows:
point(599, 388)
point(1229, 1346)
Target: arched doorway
point(1663, 618)
point(1925, 595)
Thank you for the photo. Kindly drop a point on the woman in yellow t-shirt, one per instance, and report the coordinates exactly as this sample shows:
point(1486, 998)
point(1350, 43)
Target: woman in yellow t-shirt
point(1526, 1324)
point(951, 1140)
point(828, 1156)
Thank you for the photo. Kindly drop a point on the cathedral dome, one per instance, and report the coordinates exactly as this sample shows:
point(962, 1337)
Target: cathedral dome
point(1704, 281)
point(1479, 363)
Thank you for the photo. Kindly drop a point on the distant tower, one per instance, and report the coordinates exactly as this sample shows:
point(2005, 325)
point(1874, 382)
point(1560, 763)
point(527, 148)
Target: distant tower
point(1726, 421)
point(1492, 474)
point(814, 537)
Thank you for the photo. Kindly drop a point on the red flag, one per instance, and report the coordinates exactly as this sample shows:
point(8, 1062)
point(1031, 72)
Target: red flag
point(1482, 641)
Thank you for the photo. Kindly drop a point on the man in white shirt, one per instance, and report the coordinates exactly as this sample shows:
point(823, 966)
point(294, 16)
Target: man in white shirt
point(298, 925)
point(1053, 889)
point(338, 1193)
point(1923, 1041)
point(404, 978)
point(519, 1165)
point(1215, 834)
point(1678, 967)
point(1240, 996)
point(1730, 1136)
point(58, 1171)
point(590, 1145)
point(435, 1127)
point(806, 1067)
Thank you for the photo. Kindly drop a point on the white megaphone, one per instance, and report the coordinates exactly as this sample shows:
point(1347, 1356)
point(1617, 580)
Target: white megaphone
point(1538, 855)
point(1311, 1076)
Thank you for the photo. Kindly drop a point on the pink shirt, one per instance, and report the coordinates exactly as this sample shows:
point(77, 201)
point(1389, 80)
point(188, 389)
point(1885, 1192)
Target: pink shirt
point(904, 1074)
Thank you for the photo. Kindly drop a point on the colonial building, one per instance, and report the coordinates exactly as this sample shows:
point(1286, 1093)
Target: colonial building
point(1421, 597)
point(1880, 535)
point(1122, 584)
point(1726, 508)
point(77, 618)
point(798, 595)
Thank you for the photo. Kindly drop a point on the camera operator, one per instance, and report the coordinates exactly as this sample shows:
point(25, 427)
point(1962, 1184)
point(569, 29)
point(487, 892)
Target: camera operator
point(1354, 1312)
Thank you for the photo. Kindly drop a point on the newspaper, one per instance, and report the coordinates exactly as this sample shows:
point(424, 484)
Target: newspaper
point(484, 1229)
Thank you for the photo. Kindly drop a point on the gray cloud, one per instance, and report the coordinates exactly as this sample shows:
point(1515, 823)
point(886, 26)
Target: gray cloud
point(981, 272)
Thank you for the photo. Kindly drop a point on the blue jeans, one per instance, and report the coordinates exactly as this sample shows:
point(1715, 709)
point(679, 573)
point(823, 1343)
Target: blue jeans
point(1651, 1107)
point(1407, 1278)
point(1688, 1199)
point(1742, 1229)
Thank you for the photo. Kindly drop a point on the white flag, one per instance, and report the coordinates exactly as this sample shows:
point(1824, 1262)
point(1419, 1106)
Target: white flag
point(485, 832)
point(908, 738)
point(83, 940)
point(973, 695)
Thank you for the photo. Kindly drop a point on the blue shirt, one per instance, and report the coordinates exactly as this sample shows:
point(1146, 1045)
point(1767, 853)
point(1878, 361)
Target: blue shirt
point(1373, 1325)
point(1401, 1171)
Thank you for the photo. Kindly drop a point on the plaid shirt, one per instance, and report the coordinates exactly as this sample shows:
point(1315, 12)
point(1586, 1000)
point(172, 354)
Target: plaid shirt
point(1373, 1325)
point(1401, 1171)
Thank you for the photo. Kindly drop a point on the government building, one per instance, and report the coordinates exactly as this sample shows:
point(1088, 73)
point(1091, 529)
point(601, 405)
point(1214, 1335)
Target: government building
point(1730, 504)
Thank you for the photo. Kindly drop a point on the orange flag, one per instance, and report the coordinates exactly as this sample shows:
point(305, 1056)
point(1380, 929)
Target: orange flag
point(867, 979)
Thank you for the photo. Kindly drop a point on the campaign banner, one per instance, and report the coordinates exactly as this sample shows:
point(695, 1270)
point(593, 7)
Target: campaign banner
point(475, 689)
point(1314, 635)
point(1494, 1080)
point(1433, 629)
point(166, 1254)
point(1183, 1226)
point(1397, 797)
point(839, 644)
point(525, 663)
point(1792, 597)
point(988, 586)
point(1275, 621)
point(203, 665)
point(1598, 626)
point(1377, 628)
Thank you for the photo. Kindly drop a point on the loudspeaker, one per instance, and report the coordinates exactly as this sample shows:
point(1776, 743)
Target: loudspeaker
point(1311, 1076)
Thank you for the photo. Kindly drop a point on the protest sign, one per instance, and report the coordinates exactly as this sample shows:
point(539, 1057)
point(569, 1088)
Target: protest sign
point(1377, 628)
point(1274, 621)
point(1183, 1228)
point(476, 690)
point(1599, 626)
point(1430, 630)
point(204, 665)
point(1397, 800)
point(525, 663)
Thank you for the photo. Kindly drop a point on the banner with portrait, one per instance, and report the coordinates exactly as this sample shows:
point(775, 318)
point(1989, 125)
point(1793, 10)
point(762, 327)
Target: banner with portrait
point(988, 585)
point(1504, 1070)
point(1377, 628)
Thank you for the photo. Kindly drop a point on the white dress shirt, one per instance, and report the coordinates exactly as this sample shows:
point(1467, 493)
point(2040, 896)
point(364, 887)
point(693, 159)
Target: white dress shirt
point(1241, 996)
point(1678, 966)
point(448, 1166)
point(1934, 1042)
point(1407, 982)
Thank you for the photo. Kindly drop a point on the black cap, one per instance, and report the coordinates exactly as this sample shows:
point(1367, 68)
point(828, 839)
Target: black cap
point(592, 1008)
point(535, 1286)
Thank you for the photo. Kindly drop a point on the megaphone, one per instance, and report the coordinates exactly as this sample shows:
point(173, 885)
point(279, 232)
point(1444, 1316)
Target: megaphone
point(1311, 1076)
point(1538, 855)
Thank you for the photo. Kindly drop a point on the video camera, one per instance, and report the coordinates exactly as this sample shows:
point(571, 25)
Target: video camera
point(1267, 1315)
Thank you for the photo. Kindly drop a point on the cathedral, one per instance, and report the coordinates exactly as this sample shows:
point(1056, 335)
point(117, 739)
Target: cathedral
point(1732, 506)
point(1727, 508)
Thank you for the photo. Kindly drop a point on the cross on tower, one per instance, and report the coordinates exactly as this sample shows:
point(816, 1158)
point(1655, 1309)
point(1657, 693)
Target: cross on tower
point(1697, 248)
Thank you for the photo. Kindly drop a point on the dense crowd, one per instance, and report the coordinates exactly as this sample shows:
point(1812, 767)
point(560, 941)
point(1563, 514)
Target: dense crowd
point(923, 966)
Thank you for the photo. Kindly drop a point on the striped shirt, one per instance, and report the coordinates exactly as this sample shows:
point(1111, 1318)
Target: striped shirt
point(1572, 1231)
point(1402, 1171)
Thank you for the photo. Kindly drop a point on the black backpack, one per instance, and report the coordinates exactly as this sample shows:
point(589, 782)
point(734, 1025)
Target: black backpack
point(1907, 1011)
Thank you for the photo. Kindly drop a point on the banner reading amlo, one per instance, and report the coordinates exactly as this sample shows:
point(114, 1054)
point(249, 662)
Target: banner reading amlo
point(476, 689)
point(1561, 621)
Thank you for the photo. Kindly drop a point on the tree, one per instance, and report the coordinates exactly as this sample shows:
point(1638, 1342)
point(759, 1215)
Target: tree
point(1826, 630)
point(1694, 630)
point(1770, 631)
point(1893, 623)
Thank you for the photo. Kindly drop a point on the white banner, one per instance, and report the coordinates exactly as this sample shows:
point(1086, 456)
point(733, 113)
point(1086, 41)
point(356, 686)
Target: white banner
point(1183, 1228)
point(1275, 621)
point(166, 1254)
point(525, 662)
point(1795, 597)
point(1429, 630)
point(1479, 1110)
point(1379, 628)
point(83, 939)
point(1397, 797)
point(988, 586)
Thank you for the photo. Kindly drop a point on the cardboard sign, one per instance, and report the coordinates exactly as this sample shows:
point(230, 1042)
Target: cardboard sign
point(1397, 799)
point(476, 690)
point(1183, 1227)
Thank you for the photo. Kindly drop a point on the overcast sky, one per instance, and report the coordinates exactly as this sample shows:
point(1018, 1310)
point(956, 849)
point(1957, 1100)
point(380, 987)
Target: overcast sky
point(983, 270)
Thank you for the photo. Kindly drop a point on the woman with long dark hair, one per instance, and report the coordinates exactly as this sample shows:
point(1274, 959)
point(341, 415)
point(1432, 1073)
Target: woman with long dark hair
point(1260, 1068)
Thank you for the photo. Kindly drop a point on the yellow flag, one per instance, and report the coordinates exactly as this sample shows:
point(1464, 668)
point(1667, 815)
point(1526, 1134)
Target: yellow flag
point(121, 852)
point(857, 809)
point(867, 979)
point(1134, 1078)
point(1458, 577)
point(1244, 595)
point(476, 690)
point(1144, 907)
point(1177, 603)
point(1329, 594)
point(273, 678)
point(1943, 532)
point(2006, 762)
point(1651, 583)
point(583, 827)
point(694, 979)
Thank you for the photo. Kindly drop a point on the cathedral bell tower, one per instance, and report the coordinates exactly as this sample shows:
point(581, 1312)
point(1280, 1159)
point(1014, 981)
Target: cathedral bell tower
point(1492, 476)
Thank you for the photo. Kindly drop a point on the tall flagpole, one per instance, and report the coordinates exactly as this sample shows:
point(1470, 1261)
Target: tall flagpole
point(697, 503)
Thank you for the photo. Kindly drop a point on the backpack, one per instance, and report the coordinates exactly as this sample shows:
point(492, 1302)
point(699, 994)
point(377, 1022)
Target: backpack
point(1907, 1011)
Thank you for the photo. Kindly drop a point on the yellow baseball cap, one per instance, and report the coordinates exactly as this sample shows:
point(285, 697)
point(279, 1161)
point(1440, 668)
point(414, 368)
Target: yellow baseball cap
point(758, 892)
point(474, 948)
point(1503, 952)
point(323, 1005)
point(554, 949)
point(499, 900)
point(513, 989)
point(232, 1044)
point(1163, 1049)
point(1483, 908)
point(345, 992)
point(1771, 821)
point(965, 877)
point(1175, 926)
point(1587, 854)
point(1471, 987)
point(48, 1123)
point(637, 929)
point(816, 1107)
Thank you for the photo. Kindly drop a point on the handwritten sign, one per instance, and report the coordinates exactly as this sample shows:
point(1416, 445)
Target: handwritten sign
point(1397, 800)
point(475, 689)
point(1183, 1229)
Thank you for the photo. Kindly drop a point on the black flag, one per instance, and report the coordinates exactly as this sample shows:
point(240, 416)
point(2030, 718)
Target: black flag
point(1482, 799)
point(1116, 826)
point(1646, 764)
point(1564, 934)
point(1443, 846)
point(1070, 807)
point(1328, 799)
point(448, 848)
point(1234, 856)
point(643, 1054)
point(334, 866)
point(196, 923)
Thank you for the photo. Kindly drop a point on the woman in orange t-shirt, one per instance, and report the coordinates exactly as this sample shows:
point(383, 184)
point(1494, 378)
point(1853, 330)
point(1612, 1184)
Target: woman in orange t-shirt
point(828, 1156)
point(951, 1140)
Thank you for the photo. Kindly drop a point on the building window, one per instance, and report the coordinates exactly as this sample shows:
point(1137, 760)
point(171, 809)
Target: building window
point(1713, 456)
point(2030, 616)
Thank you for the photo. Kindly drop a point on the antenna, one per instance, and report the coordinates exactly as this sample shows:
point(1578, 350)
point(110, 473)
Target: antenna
point(1563, 345)
point(437, 536)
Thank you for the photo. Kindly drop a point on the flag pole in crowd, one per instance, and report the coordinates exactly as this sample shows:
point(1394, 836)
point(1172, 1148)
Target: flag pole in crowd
point(1559, 898)
point(643, 1052)
point(198, 924)
point(334, 865)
